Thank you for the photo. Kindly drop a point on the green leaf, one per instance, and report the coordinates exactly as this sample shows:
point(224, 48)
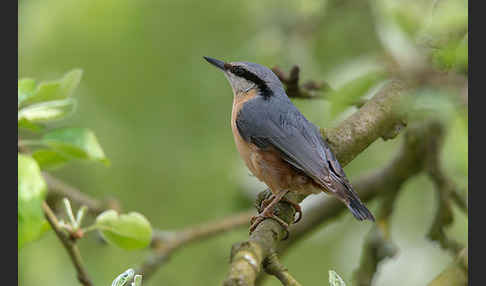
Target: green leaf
point(49, 159)
point(26, 85)
point(335, 279)
point(128, 231)
point(26, 124)
point(46, 111)
point(55, 90)
point(80, 143)
point(25, 89)
point(31, 192)
point(454, 54)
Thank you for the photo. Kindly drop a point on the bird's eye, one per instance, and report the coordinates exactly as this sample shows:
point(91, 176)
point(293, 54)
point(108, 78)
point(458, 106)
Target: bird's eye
point(249, 88)
point(238, 71)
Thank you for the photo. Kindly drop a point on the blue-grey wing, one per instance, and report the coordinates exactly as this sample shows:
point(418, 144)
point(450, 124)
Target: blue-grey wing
point(277, 123)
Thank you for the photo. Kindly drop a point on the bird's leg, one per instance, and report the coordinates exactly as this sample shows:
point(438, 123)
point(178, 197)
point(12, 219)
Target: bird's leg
point(264, 203)
point(268, 212)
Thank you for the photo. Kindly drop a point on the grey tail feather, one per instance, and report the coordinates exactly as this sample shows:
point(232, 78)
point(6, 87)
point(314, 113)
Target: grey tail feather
point(351, 199)
point(358, 209)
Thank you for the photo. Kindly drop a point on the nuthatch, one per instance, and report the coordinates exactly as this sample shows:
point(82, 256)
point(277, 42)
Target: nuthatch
point(279, 145)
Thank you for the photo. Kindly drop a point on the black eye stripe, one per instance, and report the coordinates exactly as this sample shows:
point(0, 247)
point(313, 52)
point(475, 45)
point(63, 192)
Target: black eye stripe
point(242, 72)
point(239, 71)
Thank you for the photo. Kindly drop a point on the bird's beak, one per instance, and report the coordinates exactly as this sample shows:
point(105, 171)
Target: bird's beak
point(217, 63)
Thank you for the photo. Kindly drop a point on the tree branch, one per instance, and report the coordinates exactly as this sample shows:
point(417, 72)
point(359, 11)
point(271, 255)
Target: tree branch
point(69, 244)
point(247, 257)
point(381, 117)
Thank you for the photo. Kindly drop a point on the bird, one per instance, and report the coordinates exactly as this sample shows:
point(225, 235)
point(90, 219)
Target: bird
point(279, 145)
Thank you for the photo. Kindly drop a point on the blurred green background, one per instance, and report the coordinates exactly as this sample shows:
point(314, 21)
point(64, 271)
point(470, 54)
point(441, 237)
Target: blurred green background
point(161, 114)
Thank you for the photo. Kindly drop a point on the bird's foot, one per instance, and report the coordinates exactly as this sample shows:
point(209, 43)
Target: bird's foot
point(268, 206)
point(256, 220)
point(298, 209)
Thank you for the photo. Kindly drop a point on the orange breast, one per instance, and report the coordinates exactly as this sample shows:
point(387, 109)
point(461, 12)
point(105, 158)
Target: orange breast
point(244, 148)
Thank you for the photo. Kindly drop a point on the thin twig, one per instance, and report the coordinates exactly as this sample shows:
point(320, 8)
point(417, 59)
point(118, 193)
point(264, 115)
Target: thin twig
point(165, 245)
point(460, 200)
point(62, 189)
point(295, 89)
point(378, 245)
point(308, 90)
point(273, 267)
point(69, 244)
point(445, 188)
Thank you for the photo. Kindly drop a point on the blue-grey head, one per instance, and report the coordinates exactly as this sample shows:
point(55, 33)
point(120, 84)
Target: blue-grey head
point(244, 77)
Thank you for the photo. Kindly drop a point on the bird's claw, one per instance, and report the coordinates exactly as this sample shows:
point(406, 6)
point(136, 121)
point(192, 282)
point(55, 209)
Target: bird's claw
point(298, 209)
point(256, 220)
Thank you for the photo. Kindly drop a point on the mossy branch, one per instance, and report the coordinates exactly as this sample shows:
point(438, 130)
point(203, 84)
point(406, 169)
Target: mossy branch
point(381, 117)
